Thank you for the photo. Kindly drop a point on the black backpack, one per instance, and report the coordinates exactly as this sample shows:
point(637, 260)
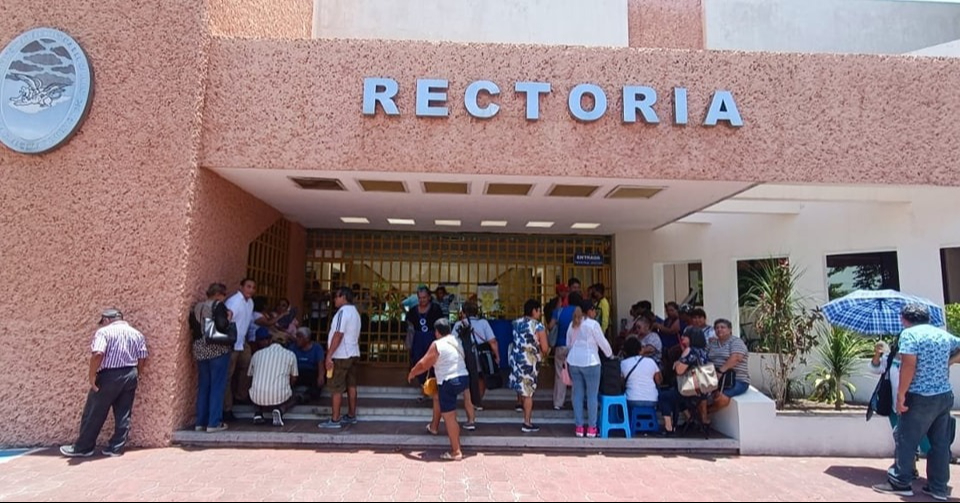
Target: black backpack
point(611, 382)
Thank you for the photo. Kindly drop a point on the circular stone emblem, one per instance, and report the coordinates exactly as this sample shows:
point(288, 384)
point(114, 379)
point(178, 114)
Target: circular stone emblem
point(45, 90)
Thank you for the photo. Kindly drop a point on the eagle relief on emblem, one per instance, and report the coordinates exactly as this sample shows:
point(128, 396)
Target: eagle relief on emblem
point(45, 91)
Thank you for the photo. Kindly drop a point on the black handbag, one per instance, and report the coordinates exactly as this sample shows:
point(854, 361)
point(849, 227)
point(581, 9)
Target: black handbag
point(881, 402)
point(217, 336)
point(486, 364)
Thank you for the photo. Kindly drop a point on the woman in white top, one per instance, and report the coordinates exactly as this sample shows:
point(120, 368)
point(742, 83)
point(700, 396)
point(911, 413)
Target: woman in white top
point(642, 375)
point(445, 355)
point(584, 338)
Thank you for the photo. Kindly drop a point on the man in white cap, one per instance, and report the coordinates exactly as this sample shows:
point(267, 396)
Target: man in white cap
point(118, 354)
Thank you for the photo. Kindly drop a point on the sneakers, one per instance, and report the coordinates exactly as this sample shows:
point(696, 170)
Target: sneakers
point(580, 432)
point(199, 428)
point(592, 432)
point(348, 419)
point(518, 408)
point(68, 451)
point(478, 408)
point(470, 426)
point(529, 428)
point(214, 429)
point(277, 418)
point(330, 424)
point(939, 497)
point(258, 419)
point(557, 408)
point(111, 453)
point(887, 488)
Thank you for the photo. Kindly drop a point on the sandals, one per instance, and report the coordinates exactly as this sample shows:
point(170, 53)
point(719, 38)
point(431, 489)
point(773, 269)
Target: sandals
point(431, 430)
point(451, 457)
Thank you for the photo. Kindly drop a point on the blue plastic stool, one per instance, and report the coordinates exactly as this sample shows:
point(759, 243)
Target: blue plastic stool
point(613, 415)
point(644, 420)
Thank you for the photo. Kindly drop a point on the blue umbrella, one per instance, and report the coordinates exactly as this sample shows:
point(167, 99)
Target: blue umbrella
point(876, 312)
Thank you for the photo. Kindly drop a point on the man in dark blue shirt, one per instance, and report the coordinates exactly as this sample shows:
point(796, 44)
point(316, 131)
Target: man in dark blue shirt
point(563, 317)
point(310, 358)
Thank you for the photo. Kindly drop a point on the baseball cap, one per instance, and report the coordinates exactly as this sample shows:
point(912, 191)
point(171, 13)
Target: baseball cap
point(111, 313)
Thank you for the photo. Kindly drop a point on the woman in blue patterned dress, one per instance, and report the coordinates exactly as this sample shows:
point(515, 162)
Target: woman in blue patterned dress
point(694, 346)
point(529, 346)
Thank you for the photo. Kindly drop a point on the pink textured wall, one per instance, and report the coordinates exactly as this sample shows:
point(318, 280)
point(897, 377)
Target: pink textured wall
point(809, 118)
point(673, 24)
point(223, 220)
point(103, 220)
point(261, 18)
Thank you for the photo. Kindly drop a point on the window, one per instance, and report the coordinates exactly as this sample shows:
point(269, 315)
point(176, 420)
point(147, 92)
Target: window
point(950, 265)
point(862, 271)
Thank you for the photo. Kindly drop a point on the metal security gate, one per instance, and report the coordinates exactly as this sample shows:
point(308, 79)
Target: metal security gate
point(267, 260)
point(384, 269)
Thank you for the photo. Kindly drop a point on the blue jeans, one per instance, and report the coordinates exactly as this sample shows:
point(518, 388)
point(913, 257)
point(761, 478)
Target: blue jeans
point(927, 415)
point(211, 385)
point(586, 381)
point(924, 442)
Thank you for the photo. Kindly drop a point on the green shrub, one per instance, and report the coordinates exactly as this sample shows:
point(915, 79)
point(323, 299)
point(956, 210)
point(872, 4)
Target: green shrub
point(839, 355)
point(953, 319)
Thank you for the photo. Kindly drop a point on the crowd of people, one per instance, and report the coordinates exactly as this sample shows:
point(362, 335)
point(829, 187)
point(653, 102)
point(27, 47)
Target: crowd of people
point(244, 350)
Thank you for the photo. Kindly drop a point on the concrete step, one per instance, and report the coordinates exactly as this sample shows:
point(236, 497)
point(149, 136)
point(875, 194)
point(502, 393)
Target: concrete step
point(407, 408)
point(545, 396)
point(413, 435)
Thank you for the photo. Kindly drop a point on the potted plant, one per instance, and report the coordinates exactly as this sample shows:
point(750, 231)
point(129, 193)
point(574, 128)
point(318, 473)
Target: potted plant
point(786, 327)
point(840, 354)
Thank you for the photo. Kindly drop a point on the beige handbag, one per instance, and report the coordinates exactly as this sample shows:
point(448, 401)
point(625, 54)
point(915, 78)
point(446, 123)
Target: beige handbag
point(698, 381)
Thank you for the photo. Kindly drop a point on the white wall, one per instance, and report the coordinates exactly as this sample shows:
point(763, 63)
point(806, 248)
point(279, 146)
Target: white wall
point(916, 230)
point(558, 22)
point(761, 430)
point(946, 50)
point(833, 26)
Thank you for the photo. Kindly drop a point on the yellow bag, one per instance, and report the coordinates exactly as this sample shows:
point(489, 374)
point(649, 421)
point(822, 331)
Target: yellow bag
point(430, 386)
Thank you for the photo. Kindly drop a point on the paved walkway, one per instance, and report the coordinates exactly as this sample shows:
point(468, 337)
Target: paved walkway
point(176, 474)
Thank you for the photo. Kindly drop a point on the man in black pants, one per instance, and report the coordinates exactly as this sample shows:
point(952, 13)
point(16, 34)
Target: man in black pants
point(118, 354)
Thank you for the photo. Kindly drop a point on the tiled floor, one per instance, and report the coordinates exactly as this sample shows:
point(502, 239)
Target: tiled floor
point(175, 474)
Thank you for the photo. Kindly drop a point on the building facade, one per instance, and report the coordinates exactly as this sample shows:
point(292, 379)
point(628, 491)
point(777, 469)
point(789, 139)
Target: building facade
point(212, 120)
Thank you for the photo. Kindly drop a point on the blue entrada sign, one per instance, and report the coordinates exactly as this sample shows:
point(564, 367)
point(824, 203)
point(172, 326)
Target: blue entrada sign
point(588, 259)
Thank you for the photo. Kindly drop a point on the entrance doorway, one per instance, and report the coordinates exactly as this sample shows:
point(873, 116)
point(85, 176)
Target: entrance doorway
point(499, 271)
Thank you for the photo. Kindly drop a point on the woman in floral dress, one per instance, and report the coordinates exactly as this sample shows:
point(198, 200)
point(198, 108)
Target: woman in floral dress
point(529, 347)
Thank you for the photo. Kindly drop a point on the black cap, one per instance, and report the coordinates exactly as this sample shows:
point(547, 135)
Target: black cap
point(111, 313)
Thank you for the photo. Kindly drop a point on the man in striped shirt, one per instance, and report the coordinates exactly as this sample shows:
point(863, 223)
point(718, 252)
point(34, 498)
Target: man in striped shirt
point(119, 351)
point(274, 371)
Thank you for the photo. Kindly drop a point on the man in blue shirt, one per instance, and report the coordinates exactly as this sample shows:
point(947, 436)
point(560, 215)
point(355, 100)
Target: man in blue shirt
point(563, 317)
point(310, 358)
point(924, 400)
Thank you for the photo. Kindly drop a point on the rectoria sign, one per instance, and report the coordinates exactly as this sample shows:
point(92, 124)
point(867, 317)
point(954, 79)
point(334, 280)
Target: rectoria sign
point(639, 102)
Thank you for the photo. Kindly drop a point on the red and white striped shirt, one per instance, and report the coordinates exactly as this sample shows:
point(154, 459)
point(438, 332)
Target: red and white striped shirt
point(121, 345)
